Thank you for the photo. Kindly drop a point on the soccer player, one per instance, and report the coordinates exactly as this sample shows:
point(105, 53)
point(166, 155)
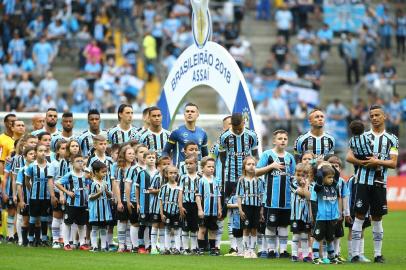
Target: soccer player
point(316, 140)
point(325, 209)
point(188, 184)
point(37, 178)
point(24, 193)
point(187, 132)
point(86, 138)
point(67, 130)
point(75, 186)
point(155, 137)
point(143, 183)
point(51, 119)
point(371, 177)
point(124, 131)
point(249, 194)
point(169, 208)
point(300, 214)
point(209, 206)
point(278, 166)
point(125, 160)
point(99, 206)
point(18, 129)
point(154, 205)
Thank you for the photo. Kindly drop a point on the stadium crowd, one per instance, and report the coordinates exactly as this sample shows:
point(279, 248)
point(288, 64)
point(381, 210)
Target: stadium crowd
point(167, 192)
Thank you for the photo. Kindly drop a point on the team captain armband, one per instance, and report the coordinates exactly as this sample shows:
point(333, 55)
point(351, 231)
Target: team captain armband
point(171, 142)
point(394, 151)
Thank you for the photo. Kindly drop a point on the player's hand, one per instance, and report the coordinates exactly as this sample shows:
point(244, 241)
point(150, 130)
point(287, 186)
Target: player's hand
point(277, 166)
point(130, 207)
point(54, 201)
point(62, 199)
point(261, 218)
point(200, 214)
point(182, 212)
point(120, 207)
point(138, 208)
point(21, 205)
point(163, 218)
point(348, 219)
point(372, 162)
point(5, 198)
point(15, 200)
point(219, 215)
point(242, 215)
point(71, 194)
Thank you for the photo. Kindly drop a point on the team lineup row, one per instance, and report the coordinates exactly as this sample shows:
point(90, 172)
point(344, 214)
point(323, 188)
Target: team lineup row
point(166, 205)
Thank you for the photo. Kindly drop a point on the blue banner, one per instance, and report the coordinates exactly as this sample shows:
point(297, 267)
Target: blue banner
point(343, 15)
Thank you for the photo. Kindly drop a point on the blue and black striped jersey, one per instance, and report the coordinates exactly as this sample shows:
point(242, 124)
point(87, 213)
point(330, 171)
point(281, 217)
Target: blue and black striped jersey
point(86, 141)
point(131, 177)
point(18, 162)
point(277, 182)
point(320, 146)
point(250, 191)
point(156, 183)
point(189, 186)
point(144, 180)
point(120, 177)
point(21, 182)
point(9, 186)
point(109, 163)
point(154, 141)
point(219, 172)
point(39, 180)
point(169, 195)
point(237, 147)
point(300, 205)
point(116, 135)
point(55, 139)
point(384, 145)
point(235, 213)
point(209, 192)
point(77, 184)
point(327, 202)
point(361, 146)
point(99, 209)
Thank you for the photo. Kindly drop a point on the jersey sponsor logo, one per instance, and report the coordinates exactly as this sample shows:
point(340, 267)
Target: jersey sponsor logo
point(317, 231)
point(246, 222)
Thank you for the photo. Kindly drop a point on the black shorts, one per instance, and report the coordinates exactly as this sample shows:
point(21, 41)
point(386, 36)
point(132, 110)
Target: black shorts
point(366, 224)
point(210, 222)
point(190, 222)
point(99, 223)
point(144, 219)
point(77, 215)
point(229, 188)
point(324, 230)
point(276, 217)
point(133, 216)
point(370, 198)
point(339, 229)
point(299, 226)
point(25, 212)
point(262, 227)
point(172, 221)
point(237, 233)
point(113, 207)
point(252, 215)
point(123, 215)
point(155, 218)
point(39, 208)
point(58, 205)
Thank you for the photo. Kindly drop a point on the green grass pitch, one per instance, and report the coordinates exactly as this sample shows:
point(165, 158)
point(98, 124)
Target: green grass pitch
point(14, 257)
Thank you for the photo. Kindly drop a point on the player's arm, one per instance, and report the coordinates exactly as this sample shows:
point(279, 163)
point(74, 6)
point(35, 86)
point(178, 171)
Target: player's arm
point(117, 194)
point(182, 210)
point(3, 186)
point(127, 190)
point(161, 209)
point(199, 206)
point(353, 160)
point(219, 209)
point(51, 191)
point(62, 188)
point(239, 203)
point(170, 144)
point(95, 196)
point(390, 163)
point(20, 196)
point(204, 149)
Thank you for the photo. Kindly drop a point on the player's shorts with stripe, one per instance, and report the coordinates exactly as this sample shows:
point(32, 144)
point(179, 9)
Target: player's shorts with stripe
point(190, 222)
point(77, 215)
point(144, 219)
point(39, 208)
point(155, 218)
point(58, 205)
point(252, 215)
point(210, 222)
point(339, 229)
point(171, 221)
point(299, 226)
point(276, 217)
point(370, 198)
point(324, 230)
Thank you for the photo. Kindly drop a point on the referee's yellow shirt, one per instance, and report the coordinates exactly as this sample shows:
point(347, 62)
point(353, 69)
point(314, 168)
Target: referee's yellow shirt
point(6, 146)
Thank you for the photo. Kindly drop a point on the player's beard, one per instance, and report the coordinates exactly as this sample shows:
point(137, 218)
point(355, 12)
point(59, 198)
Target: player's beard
point(51, 124)
point(67, 129)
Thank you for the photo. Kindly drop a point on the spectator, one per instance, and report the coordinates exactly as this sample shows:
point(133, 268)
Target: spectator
point(268, 72)
point(336, 111)
point(13, 101)
point(263, 10)
point(181, 11)
point(158, 32)
point(350, 49)
point(171, 26)
point(388, 70)
point(31, 103)
point(150, 54)
point(78, 88)
point(139, 105)
point(36, 28)
point(56, 33)
point(92, 52)
point(284, 19)
point(183, 38)
point(125, 12)
point(385, 30)
point(16, 48)
point(314, 75)
point(92, 70)
point(400, 34)
point(239, 52)
point(25, 86)
point(62, 104)
point(6, 86)
point(42, 54)
point(28, 66)
point(394, 115)
point(48, 86)
point(11, 68)
point(324, 39)
point(230, 35)
point(129, 50)
point(280, 51)
point(276, 110)
point(304, 56)
point(369, 47)
point(286, 74)
point(359, 111)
